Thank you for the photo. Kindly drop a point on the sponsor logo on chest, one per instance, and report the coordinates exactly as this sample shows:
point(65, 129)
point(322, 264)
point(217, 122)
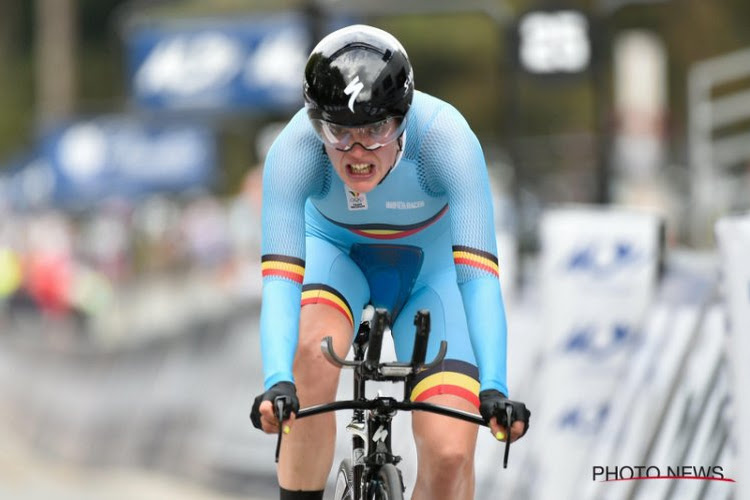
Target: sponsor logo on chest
point(404, 205)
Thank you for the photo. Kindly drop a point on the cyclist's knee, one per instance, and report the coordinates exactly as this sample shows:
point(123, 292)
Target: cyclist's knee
point(445, 447)
point(314, 376)
point(318, 321)
point(308, 350)
point(444, 458)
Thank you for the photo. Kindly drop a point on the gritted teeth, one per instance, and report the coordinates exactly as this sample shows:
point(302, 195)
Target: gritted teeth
point(360, 168)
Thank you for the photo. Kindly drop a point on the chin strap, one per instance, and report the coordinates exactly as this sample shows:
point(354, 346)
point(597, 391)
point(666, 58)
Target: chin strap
point(399, 154)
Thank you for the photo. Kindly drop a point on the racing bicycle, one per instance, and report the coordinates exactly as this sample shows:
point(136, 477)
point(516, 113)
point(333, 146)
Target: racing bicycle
point(372, 472)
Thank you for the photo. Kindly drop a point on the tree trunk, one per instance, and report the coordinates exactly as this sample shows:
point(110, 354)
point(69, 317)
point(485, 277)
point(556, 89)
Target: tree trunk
point(55, 44)
point(9, 29)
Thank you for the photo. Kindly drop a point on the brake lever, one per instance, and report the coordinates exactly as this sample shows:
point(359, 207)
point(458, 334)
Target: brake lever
point(279, 406)
point(509, 421)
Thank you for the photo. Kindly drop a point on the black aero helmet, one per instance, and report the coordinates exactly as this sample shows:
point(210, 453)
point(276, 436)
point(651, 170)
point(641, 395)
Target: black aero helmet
point(356, 76)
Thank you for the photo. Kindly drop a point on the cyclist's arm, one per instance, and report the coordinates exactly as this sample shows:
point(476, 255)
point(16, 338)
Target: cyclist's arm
point(291, 174)
point(452, 152)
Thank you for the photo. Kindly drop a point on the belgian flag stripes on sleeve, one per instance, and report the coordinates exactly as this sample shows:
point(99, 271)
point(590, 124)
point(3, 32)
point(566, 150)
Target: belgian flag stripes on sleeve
point(474, 258)
point(283, 266)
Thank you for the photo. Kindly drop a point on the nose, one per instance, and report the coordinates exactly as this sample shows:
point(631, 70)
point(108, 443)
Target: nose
point(358, 149)
point(361, 137)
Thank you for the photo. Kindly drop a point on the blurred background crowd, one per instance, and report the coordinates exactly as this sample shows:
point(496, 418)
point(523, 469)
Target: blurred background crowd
point(132, 138)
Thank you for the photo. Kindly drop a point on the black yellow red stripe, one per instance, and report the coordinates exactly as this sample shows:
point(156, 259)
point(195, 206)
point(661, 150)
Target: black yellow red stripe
point(283, 266)
point(468, 256)
point(390, 231)
point(318, 293)
point(455, 377)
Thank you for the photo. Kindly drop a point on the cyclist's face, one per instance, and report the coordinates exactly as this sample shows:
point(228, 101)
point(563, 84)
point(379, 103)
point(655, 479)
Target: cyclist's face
point(361, 169)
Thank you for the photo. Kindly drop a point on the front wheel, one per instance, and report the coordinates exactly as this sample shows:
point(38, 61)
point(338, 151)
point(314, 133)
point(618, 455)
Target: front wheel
point(345, 481)
point(386, 485)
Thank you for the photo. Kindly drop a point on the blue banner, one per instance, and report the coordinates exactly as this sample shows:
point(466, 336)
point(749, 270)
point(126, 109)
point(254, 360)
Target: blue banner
point(122, 156)
point(27, 182)
point(251, 64)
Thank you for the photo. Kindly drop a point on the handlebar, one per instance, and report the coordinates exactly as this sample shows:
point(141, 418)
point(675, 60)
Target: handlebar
point(387, 403)
point(381, 371)
point(390, 403)
point(370, 366)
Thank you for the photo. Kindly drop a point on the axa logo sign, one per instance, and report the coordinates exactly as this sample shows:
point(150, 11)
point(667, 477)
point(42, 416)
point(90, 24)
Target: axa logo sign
point(190, 64)
point(602, 260)
point(277, 62)
point(584, 419)
point(600, 342)
point(221, 67)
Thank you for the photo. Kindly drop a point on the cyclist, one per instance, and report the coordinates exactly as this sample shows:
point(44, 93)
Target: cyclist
point(370, 169)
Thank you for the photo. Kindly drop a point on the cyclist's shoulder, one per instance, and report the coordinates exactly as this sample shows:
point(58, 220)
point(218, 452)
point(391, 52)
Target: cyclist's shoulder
point(296, 148)
point(425, 107)
point(297, 132)
point(434, 116)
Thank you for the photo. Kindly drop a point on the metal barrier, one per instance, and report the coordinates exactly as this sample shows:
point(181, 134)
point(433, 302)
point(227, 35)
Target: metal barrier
point(716, 148)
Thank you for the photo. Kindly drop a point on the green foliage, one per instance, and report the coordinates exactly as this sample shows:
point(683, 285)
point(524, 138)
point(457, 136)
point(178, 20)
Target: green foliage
point(459, 59)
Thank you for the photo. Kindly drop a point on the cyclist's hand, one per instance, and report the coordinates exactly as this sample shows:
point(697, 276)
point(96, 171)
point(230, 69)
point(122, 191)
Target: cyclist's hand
point(492, 406)
point(264, 415)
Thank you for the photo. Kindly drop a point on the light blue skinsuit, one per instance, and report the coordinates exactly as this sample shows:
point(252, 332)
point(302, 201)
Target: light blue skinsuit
point(436, 201)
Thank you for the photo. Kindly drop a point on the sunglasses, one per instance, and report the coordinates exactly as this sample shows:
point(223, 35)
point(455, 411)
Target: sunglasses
point(371, 136)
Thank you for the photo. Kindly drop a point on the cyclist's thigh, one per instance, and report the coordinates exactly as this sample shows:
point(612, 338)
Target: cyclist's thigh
point(333, 280)
point(453, 383)
point(333, 295)
point(457, 376)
